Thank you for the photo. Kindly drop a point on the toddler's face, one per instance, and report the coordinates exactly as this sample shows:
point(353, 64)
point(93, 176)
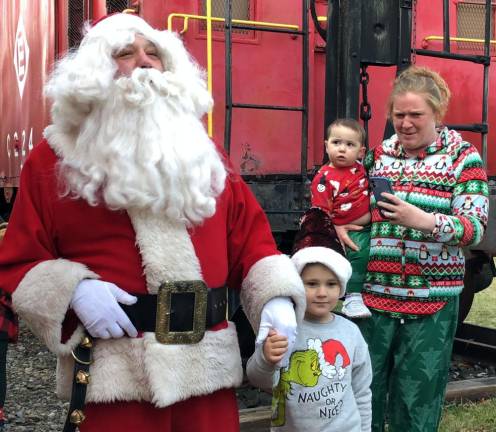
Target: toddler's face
point(322, 290)
point(344, 147)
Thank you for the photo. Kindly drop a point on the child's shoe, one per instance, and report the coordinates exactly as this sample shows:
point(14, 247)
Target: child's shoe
point(353, 306)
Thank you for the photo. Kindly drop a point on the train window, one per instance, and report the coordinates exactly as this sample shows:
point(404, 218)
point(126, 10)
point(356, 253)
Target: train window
point(117, 5)
point(240, 10)
point(470, 24)
point(78, 13)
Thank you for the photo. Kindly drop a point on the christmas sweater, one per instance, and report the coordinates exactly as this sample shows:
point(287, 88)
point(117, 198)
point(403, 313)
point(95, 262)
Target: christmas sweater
point(341, 192)
point(411, 272)
point(326, 386)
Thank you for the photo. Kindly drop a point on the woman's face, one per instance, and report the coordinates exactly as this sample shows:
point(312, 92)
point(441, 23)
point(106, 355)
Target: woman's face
point(414, 122)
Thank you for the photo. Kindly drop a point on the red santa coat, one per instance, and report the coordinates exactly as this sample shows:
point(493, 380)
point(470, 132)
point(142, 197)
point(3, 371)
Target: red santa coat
point(53, 243)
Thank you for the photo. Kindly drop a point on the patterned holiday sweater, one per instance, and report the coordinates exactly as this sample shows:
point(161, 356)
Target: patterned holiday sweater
point(410, 272)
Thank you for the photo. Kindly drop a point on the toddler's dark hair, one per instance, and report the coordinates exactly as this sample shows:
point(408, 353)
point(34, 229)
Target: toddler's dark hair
point(348, 123)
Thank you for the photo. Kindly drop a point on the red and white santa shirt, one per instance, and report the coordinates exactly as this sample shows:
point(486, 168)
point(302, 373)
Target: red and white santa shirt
point(341, 192)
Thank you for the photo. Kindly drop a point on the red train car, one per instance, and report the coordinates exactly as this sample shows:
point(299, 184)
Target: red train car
point(276, 86)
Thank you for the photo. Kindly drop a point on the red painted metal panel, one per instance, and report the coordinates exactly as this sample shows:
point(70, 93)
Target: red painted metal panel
point(26, 52)
point(266, 70)
point(99, 9)
point(61, 23)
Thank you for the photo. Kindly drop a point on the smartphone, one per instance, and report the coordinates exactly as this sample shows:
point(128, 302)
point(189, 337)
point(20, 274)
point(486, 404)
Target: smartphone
point(379, 185)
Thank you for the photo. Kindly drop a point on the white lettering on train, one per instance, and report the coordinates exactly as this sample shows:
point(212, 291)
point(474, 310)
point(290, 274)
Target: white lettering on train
point(21, 56)
point(19, 144)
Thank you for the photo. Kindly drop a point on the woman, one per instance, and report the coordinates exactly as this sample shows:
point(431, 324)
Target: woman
point(416, 265)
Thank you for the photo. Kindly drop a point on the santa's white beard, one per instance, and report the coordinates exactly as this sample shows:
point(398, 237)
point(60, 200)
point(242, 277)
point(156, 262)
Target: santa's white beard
point(144, 147)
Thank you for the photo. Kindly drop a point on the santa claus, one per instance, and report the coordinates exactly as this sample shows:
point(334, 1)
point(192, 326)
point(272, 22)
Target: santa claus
point(128, 227)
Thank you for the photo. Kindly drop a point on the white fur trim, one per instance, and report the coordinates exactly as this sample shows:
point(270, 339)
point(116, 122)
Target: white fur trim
point(272, 276)
point(193, 370)
point(333, 260)
point(143, 369)
point(166, 249)
point(43, 297)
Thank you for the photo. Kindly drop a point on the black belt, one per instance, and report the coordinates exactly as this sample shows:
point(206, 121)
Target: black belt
point(179, 313)
point(143, 314)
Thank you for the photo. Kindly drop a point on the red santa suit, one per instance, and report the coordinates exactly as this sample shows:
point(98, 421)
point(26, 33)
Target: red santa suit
point(54, 243)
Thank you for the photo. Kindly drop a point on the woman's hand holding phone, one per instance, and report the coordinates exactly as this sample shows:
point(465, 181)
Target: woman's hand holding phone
point(379, 186)
point(400, 212)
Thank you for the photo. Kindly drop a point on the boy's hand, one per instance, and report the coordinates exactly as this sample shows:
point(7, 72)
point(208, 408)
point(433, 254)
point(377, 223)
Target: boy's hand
point(274, 347)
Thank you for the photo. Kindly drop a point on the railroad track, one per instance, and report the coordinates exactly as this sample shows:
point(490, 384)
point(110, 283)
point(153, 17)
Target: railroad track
point(475, 343)
point(472, 344)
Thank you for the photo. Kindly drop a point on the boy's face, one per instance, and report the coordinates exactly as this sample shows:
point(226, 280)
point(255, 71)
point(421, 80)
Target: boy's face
point(322, 290)
point(344, 147)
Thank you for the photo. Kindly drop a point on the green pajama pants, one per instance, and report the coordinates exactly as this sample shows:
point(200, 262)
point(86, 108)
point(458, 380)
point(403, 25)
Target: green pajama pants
point(358, 259)
point(410, 361)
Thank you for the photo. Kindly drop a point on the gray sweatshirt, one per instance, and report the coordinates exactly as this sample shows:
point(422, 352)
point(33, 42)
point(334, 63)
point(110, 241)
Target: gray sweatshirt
point(326, 386)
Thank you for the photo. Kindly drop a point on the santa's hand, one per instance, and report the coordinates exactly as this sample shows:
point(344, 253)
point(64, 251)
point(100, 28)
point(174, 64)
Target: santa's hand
point(279, 314)
point(96, 303)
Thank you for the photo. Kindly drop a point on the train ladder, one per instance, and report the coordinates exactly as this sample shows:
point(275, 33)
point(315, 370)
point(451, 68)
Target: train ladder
point(484, 60)
point(303, 33)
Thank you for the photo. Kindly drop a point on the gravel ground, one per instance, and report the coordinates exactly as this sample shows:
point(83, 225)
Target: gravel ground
point(32, 405)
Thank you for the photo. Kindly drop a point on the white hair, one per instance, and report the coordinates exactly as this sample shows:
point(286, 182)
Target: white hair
point(134, 142)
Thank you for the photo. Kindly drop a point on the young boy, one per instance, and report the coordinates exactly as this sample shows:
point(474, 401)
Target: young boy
point(341, 189)
point(326, 386)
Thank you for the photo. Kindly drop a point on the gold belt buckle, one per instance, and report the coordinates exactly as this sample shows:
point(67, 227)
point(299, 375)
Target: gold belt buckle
point(164, 300)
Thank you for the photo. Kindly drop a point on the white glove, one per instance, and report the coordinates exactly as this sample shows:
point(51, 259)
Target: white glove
point(279, 314)
point(96, 304)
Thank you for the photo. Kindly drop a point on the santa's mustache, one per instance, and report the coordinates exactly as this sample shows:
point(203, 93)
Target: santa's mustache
point(144, 86)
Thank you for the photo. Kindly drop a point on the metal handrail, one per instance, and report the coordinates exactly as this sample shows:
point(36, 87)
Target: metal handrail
point(457, 39)
point(218, 19)
point(210, 119)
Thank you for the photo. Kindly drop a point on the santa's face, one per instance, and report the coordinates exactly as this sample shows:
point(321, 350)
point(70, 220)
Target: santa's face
point(322, 290)
point(140, 54)
point(127, 125)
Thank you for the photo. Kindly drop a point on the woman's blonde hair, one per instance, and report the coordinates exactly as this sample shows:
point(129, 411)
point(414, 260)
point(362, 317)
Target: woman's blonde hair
point(422, 80)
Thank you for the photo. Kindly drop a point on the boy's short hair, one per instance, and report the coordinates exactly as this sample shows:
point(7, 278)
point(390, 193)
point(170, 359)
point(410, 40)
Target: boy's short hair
point(350, 124)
